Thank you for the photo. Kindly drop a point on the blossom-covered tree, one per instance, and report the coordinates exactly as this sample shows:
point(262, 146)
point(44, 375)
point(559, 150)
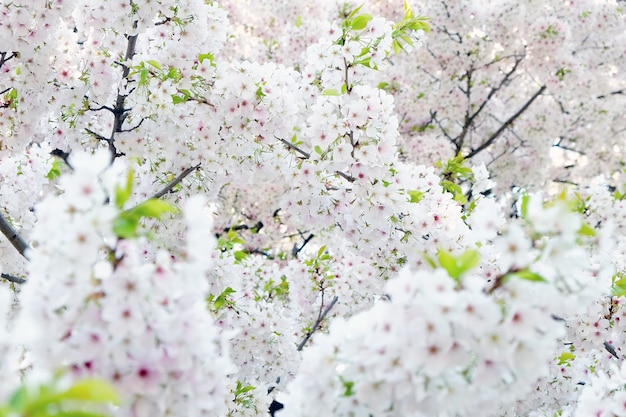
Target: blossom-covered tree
point(348, 209)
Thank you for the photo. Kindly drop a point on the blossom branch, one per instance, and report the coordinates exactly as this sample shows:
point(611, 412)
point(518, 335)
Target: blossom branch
point(14, 238)
point(296, 250)
point(469, 119)
point(317, 323)
point(119, 111)
point(345, 176)
point(4, 58)
point(175, 181)
point(295, 148)
point(97, 135)
point(13, 279)
point(506, 124)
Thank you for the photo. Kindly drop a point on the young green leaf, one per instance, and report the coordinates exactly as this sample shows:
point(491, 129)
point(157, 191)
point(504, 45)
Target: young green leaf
point(619, 286)
point(527, 275)
point(415, 196)
point(361, 21)
point(91, 390)
point(123, 193)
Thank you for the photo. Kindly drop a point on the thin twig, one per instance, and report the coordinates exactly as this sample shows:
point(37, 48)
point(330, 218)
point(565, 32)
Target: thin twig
point(345, 176)
point(13, 279)
point(317, 323)
point(175, 181)
point(14, 238)
point(469, 119)
point(611, 349)
point(296, 250)
point(506, 124)
point(97, 135)
point(295, 148)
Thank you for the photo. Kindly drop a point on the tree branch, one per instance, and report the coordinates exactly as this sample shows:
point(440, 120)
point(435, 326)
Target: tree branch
point(14, 238)
point(175, 181)
point(296, 250)
point(97, 135)
point(345, 176)
point(119, 110)
point(506, 124)
point(469, 119)
point(295, 148)
point(13, 279)
point(317, 323)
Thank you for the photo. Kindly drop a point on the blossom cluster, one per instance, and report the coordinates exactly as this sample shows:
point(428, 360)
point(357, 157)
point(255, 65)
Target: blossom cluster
point(230, 204)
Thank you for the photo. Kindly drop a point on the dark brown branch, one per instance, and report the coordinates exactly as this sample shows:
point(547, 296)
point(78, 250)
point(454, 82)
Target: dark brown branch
point(612, 93)
point(119, 110)
point(433, 116)
point(506, 124)
point(97, 135)
point(611, 349)
point(130, 129)
point(14, 238)
point(317, 323)
point(469, 119)
point(255, 228)
point(13, 279)
point(567, 148)
point(295, 148)
point(175, 181)
point(345, 176)
point(4, 58)
point(102, 108)
point(296, 250)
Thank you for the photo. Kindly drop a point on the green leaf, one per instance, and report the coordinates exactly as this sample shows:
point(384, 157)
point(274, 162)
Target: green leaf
point(448, 262)
point(354, 12)
point(152, 208)
point(415, 196)
point(330, 92)
point(566, 357)
point(241, 389)
point(92, 390)
point(348, 388)
point(178, 99)
point(222, 299)
point(366, 62)
point(127, 222)
point(524, 206)
point(318, 150)
point(55, 170)
point(527, 275)
point(125, 227)
point(123, 193)
point(240, 256)
point(586, 230)
point(154, 63)
point(209, 56)
point(408, 12)
point(396, 46)
point(19, 399)
point(619, 286)
point(143, 76)
point(468, 260)
point(259, 92)
point(456, 267)
point(360, 22)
